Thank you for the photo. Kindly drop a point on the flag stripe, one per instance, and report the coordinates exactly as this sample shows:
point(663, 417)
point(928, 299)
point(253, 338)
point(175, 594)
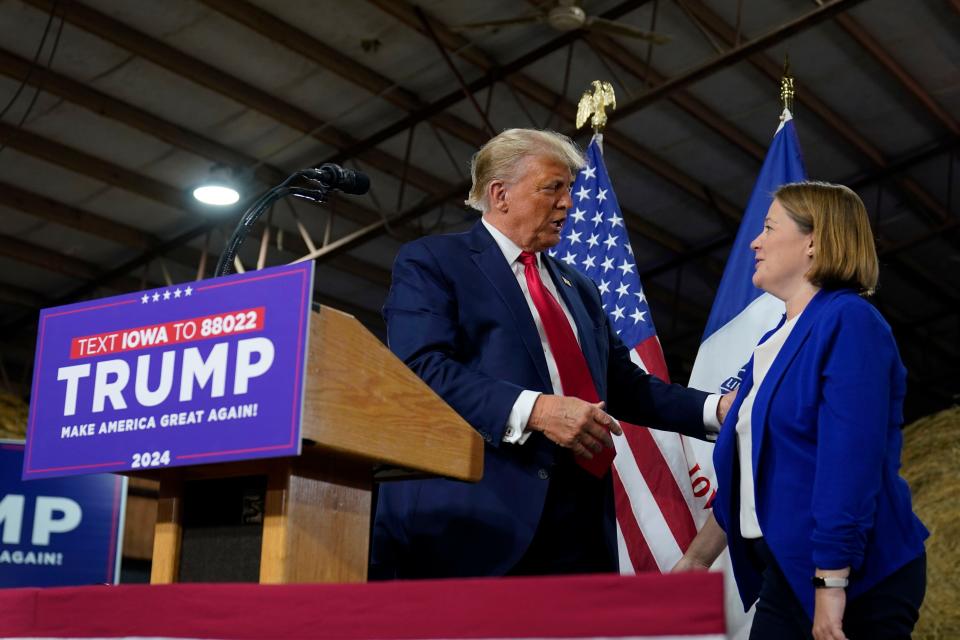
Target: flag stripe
point(651, 355)
point(680, 457)
point(676, 451)
point(662, 459)
point(646, 512)
point(662, 462)
point(639, 554)
point(658, 475)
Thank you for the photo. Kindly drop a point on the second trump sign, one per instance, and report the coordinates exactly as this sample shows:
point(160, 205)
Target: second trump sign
point(189, 374)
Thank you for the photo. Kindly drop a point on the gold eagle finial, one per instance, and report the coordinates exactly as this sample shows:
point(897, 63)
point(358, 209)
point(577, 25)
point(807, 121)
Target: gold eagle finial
point(594, 102)
point(786, 85)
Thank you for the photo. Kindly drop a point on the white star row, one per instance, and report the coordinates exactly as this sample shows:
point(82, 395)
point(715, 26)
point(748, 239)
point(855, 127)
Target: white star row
point(166, 295)
point(570, 258)
point(637, 315)
point(593, 240)
point(579, 214)
point(584, 193)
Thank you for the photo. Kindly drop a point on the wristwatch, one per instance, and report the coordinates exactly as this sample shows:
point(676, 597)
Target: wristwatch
point(820, 582)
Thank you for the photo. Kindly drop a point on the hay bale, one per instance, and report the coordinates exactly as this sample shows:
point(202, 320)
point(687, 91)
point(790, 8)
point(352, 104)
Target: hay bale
point(931, 449)
point(13, 416)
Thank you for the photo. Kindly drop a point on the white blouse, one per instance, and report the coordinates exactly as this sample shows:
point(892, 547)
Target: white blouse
point(763, 357)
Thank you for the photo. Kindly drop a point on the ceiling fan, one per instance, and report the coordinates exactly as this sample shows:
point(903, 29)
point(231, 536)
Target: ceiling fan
point(566, 15)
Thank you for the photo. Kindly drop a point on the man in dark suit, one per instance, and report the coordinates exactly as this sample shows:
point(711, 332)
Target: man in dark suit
point(520, 346)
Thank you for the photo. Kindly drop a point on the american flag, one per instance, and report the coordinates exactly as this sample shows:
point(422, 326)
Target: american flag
point(659, 495)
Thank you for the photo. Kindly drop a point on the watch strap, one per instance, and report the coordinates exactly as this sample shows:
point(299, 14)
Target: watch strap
point(821, 582)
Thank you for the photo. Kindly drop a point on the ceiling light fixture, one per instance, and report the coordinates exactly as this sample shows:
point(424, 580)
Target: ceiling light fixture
point(218, 189)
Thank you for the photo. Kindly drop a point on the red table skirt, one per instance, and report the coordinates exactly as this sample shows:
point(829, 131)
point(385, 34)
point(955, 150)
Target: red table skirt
point(649, 606)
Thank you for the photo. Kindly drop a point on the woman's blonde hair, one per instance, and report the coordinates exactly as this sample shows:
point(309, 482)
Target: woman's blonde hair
point(500, 158)
point(844, 252)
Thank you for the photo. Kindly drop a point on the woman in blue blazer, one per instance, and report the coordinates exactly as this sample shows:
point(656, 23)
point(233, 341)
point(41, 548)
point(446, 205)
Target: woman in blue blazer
point(819, 524)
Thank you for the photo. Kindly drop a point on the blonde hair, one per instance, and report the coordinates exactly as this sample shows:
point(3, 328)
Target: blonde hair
point(500, 158)
point(845, 255)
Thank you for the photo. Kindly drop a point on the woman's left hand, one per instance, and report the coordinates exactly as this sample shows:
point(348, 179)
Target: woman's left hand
point(828, 614)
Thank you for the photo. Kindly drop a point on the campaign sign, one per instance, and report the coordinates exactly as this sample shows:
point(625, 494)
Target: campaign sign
point(58, 532)
point(189, 374)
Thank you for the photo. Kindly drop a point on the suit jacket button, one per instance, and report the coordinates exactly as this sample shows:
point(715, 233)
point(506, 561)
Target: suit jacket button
point(486, 436)
point(543, 474)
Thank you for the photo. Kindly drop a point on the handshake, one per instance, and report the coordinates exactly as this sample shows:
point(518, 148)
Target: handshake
point(584, 427)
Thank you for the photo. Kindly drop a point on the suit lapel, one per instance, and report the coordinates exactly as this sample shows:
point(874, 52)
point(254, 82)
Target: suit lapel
point(489, 259)
point(796, 339)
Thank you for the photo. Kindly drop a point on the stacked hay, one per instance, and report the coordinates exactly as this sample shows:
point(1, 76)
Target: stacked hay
point(931, 450)
point(13, 416)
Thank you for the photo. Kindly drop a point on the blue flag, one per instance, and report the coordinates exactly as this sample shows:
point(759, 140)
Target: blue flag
point(741, 313)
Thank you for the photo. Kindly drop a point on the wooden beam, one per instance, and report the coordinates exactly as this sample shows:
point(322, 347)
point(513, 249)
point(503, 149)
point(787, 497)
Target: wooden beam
point(311, 48)
point(927, 205)
point(735, 55)
point(137, 118)
point(232, 87)
point(693, 106)
point(494, 74)
point(306, 45)
point(633, 65)
point(371, 231)
point(87, 222)
point(131, 181)
point(542, 95)
point(12, 294)
point(130, 115)
point(870, 44)
point(44, 258)
point(93, 167)
point(539, 93)
point(107, 106)
point(75, 218)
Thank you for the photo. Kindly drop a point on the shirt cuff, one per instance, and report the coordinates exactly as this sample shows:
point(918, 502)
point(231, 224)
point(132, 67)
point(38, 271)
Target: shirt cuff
point(516, 431)
point(710, 416)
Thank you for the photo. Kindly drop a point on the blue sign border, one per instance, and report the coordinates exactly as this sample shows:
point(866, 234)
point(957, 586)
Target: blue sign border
point(49, 486)
point(221, 452)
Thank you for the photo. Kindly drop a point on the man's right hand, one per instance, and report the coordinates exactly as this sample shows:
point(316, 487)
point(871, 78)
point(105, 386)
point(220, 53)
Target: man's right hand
point(580, 426)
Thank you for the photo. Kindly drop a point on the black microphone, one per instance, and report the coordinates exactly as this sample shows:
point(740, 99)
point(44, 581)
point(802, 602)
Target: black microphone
point(334, 176)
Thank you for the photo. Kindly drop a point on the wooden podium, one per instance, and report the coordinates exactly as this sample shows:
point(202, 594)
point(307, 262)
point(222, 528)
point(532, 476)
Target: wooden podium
point(307, 518)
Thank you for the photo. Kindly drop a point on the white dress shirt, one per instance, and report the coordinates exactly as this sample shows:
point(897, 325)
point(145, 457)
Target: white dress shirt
point(516, 431)
point(523, 407)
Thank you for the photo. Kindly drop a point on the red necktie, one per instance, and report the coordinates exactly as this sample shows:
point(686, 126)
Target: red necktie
point(571, 365)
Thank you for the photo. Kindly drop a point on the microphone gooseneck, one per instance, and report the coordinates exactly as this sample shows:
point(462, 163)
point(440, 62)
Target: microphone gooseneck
point(314, 184)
